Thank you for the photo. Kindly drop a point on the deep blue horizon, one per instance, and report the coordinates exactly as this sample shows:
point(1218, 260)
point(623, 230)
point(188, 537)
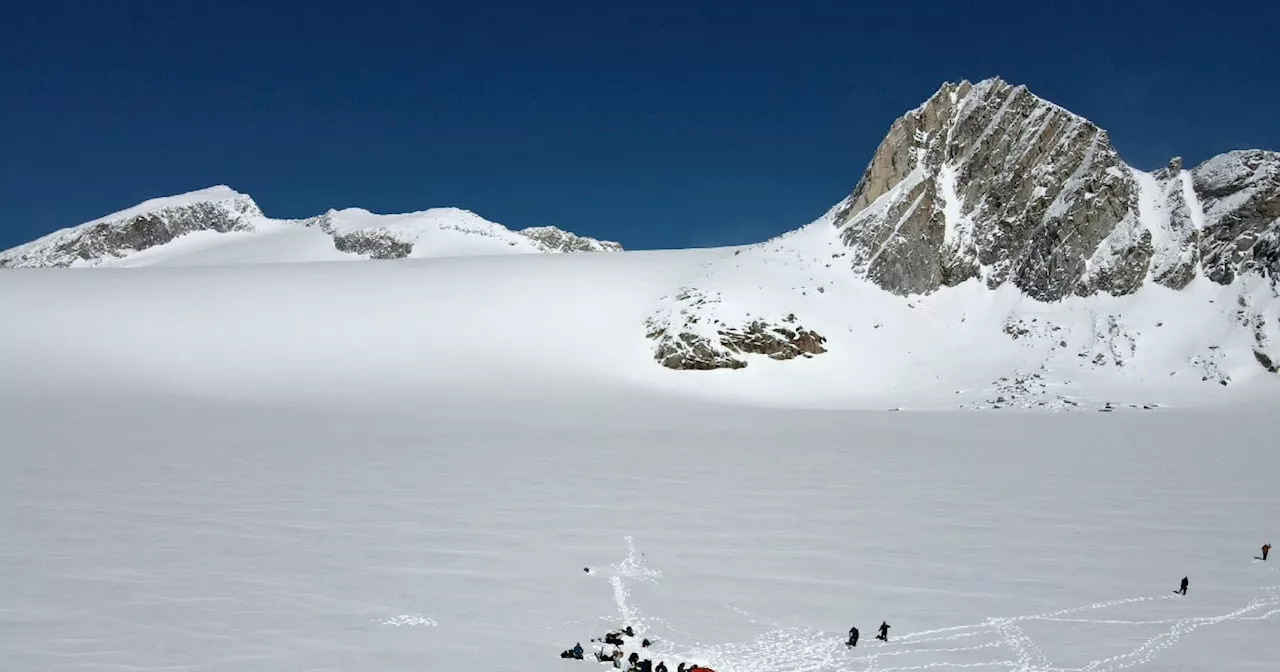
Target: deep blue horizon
point(657, 125)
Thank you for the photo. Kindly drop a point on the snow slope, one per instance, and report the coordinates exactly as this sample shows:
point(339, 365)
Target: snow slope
point(219, 226)
point(420, 324)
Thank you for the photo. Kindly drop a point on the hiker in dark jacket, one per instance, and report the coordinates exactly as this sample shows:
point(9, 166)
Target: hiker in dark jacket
point(853, 637)
point(884, 631)
point(1266, 548)
point(1183, 588)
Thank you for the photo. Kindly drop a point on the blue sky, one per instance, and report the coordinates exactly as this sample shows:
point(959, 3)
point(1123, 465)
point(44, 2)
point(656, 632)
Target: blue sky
point(658, 124)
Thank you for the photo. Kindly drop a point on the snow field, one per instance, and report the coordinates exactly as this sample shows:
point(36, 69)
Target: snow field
point(406, 465)
point(316, 329)
point(450, 530)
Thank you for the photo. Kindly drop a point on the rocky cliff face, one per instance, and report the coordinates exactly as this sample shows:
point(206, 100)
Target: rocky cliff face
point(1239, 200)
point(989, 181)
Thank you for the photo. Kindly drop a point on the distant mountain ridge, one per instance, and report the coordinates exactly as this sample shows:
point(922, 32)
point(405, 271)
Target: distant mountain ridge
point(119, 238)
point(995, 245)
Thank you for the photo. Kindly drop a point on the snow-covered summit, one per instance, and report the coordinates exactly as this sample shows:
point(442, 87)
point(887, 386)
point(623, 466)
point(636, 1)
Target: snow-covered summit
point(217, 194)
point(219, 225)
point(147, 225)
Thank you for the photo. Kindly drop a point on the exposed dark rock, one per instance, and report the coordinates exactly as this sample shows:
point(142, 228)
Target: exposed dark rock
point(692, 352)
point(116, 238)
point(1264, 360)
point(374, 244)
point(689, 351)
point(681, 344)
point(1239, 193)
point(776, 342)
point(558, 240)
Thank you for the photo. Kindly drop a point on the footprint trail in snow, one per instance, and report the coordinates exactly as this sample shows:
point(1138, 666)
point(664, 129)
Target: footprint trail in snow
point(997, 643)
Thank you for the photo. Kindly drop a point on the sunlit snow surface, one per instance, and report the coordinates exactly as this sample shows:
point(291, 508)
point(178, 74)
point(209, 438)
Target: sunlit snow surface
point(408, 465)
point(448, 533)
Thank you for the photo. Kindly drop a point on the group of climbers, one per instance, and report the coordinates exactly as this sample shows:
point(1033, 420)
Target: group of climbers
point(631, 663)
point(883, 636)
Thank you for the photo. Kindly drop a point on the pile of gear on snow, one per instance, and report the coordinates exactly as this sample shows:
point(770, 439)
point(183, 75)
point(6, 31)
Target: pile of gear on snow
point(620, 641)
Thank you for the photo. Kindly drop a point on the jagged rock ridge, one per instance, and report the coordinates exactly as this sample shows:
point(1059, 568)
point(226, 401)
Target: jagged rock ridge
point(989, 181)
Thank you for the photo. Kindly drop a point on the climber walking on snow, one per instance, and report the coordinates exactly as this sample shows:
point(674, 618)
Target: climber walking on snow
point(1183, 588)
point(1266, 548)
point(884, 632)
point(853, 637)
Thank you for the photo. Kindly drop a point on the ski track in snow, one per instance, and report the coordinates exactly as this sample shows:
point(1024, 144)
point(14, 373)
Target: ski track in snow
point(805, 650)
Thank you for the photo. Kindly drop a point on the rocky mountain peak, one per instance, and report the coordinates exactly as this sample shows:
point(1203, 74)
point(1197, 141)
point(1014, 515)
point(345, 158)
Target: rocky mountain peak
point(988, 180)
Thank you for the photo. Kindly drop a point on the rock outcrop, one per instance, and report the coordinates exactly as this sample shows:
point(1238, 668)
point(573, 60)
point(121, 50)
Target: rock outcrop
point(146, 225)
point(1239, 196)
point(689, 336)
point(353, 230)
point(372, 244)
point(685, 350)
point(558, 240)
point(989, 181)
